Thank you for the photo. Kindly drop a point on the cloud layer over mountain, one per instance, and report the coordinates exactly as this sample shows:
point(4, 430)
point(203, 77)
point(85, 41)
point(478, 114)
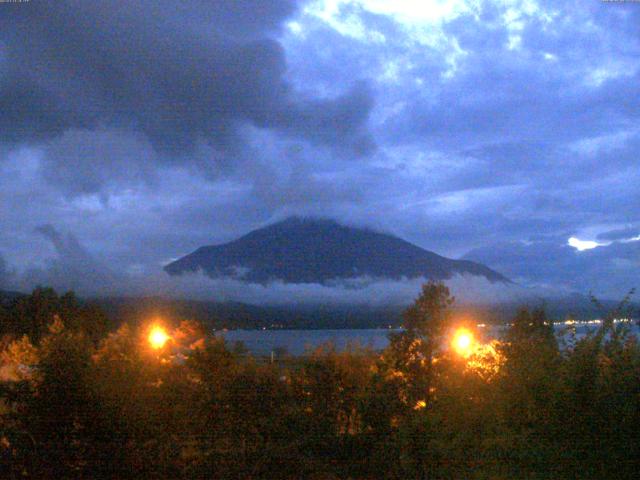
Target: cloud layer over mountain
point(147, 129)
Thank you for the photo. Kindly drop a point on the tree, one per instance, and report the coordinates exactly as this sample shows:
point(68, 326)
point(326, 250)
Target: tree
point(61, 408)
point(31, 314)
point(531, 393)
point(402, 389)
point(415, 349)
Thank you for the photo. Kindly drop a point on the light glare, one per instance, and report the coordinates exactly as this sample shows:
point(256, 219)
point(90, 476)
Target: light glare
point(463, 342)
point(157, 338)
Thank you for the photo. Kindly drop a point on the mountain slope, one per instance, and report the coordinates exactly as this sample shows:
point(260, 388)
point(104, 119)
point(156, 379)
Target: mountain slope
point(322, 251)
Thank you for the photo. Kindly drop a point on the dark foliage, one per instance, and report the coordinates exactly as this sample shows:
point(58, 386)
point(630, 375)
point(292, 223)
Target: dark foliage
point(76, 403)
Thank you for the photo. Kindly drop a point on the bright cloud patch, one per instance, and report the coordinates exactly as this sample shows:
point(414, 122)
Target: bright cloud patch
point(413, 11)
point(581, 245)
point(499, 127)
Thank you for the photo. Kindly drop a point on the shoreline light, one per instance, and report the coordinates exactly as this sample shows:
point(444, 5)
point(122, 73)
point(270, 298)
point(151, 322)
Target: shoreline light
point(157, 337)
point(463, 342)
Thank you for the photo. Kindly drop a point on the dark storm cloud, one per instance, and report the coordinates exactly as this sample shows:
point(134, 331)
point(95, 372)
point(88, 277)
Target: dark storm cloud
point(180, 74)
point(149, 129)
point(84, 161)
point(334, 122)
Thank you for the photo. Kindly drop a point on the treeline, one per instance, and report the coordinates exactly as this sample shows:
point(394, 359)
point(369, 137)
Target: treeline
point(78, 401)
point(235, 315)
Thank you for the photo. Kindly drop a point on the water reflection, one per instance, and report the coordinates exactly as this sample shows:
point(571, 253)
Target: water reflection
point(296, 342)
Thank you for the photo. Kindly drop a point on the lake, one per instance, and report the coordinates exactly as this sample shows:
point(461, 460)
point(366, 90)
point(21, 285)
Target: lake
point(297, 342)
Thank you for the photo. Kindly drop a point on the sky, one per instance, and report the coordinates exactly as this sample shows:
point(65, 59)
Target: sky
point(503, 131)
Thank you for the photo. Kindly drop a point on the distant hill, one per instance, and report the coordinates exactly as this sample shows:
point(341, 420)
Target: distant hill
point(232, 315)
point(8, 296)
point(242, 315)
point(322, 251)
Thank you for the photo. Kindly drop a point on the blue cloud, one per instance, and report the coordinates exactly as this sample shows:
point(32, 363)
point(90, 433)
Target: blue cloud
point(149, 131)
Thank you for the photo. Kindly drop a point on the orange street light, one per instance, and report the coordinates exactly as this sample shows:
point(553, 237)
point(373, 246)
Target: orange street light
point(463, 342)
point(157, 337)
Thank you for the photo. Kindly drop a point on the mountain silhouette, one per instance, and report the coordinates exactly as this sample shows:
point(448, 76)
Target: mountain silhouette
point(299, 250)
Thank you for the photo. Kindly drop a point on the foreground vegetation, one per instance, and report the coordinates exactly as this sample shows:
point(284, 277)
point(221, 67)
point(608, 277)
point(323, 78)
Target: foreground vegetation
point(77, 401)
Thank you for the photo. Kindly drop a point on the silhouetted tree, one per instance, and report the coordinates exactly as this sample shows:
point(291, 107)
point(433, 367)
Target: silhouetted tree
point(414, 350)
point(31, 314)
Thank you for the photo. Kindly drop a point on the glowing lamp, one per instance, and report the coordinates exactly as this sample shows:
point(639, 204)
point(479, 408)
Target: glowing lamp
point(157, 338)
point(463, 342)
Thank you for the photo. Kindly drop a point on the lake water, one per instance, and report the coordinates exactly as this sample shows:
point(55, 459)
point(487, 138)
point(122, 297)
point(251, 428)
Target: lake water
point(297, 342)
